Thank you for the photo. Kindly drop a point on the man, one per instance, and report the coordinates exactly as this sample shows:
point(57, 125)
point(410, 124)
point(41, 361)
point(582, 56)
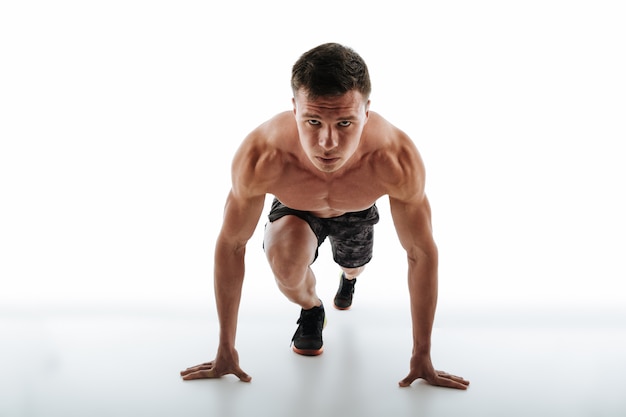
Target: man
point(326, 163)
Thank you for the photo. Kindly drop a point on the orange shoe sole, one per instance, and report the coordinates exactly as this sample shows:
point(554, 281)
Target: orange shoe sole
point(308, 352)
point(311, 352)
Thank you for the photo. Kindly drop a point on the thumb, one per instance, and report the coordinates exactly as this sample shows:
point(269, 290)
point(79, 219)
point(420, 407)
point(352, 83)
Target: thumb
point(407, 381)
point(239, 373)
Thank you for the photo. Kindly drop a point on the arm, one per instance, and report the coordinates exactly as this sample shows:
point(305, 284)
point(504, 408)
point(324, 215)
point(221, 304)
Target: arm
point(413, 224)
point(241, 215)
point(405, 175)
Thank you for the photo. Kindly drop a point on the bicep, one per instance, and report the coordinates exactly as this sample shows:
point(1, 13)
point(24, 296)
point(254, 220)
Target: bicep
point(412, 220)
point(246, 198)
point(241, 216)
point(409, 205)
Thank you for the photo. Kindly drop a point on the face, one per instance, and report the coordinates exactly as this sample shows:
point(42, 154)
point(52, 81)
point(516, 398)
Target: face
point(330, 128)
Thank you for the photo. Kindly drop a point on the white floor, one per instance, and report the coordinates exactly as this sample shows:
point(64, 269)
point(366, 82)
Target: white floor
point(114, 151)
point(126, 363)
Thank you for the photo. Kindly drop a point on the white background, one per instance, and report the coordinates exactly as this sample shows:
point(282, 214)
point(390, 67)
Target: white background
point(119, 120)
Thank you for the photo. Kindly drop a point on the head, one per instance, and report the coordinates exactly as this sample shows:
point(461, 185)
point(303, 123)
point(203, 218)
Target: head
point(331, 88)
point(330, 69)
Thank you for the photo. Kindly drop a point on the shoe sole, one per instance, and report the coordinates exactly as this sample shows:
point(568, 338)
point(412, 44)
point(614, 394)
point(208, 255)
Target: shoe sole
point(308, 352)
point(311, 352)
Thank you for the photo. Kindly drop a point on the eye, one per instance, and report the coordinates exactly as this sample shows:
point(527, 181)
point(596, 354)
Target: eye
point(313, 122)
point(345, 123)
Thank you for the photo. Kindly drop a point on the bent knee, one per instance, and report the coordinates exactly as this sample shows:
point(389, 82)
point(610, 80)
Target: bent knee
point(289, 240)
point(353, 272)
point(288, 267)
point(290, 277)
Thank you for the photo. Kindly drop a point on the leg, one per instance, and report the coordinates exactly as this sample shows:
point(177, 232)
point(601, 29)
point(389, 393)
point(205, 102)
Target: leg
point(290, 247)
point(352, 273)
point(352, 243)
point(343, 298)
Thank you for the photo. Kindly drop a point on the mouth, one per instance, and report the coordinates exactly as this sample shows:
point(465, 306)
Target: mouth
point(327, 161)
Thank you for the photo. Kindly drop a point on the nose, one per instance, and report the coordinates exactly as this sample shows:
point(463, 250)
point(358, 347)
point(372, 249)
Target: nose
point(328, 139)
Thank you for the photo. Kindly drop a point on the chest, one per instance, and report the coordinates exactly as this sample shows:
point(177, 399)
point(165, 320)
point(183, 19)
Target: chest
point(354, 191)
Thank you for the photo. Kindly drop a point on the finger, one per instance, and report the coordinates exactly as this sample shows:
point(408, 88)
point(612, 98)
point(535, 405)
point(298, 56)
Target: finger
point(200, 375)
point(448, 383)
point(244, 377)
point(407, 381)
point(192, 370)
point(455, 378)
point(204, 367)
point(441, 379)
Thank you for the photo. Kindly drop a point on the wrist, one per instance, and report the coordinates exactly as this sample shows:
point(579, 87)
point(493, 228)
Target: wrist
point(421, 349)
point(226, 341)
point(226, 352)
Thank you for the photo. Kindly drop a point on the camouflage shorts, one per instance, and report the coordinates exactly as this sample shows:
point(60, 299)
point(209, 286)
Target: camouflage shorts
point(351, 234)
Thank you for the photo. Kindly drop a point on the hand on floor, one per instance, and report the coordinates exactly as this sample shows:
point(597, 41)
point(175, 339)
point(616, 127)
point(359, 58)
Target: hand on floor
point(222, 365)
point(421, 367)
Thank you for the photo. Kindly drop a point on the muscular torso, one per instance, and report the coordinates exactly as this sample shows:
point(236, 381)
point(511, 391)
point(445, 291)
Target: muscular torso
point(355, 190)
point(279, 167)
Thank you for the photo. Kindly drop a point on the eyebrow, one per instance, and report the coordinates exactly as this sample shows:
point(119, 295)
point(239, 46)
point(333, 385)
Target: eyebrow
point(316, 116)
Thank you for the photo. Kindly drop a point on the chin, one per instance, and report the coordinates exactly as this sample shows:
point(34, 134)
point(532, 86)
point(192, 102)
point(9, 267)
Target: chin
point(328, 167)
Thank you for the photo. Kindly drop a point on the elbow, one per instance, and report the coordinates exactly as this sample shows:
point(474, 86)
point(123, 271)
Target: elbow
point(225, 246)
point(423, 255)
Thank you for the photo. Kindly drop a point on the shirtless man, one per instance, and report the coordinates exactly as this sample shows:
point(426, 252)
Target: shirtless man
point(326, 162)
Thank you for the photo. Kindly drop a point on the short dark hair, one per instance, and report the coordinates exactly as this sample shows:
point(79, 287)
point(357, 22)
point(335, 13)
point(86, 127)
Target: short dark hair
point(330, 69)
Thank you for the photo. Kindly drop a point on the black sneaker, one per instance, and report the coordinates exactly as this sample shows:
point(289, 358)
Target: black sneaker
point(308, 337)
point(343, 299)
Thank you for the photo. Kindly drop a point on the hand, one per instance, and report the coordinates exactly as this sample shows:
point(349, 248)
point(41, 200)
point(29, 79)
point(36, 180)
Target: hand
point(421, 367)
point(222, 365)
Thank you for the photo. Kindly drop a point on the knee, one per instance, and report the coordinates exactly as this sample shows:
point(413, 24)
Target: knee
point(290, 248)
point(289, 266)
point(353, 272)
point(288, 274)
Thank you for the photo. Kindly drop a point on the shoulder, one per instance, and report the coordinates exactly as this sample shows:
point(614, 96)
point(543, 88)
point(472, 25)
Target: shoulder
point(260, 156)
point(396, 159)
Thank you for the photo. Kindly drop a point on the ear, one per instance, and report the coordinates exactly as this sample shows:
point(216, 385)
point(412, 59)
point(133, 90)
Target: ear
point(293, 101)
point(367, 109)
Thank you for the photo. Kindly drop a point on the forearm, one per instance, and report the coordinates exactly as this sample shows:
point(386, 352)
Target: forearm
point(423, 287)
point(228, 282)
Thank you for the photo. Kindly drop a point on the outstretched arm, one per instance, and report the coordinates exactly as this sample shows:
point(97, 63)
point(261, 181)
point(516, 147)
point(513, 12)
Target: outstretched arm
point(405, 176)
point(240, 219)
point(241, 216)
point(412, 220)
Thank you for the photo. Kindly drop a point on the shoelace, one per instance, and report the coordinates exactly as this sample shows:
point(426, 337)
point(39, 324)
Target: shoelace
point(309, 323)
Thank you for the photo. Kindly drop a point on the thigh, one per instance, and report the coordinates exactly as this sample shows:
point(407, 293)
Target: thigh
point(353, 246)
point(290, 239)
point(352, 237)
